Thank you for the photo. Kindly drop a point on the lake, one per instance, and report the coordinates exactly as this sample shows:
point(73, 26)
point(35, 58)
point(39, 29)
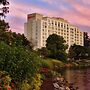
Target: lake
point(80, 78)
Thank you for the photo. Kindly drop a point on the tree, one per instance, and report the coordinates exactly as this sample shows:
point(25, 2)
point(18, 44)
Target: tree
point(13, 39)
point(77, 52)
point(20, 40)
point(57, 47)
point(3, 26)
point(86, 39)
point(3, 9)
point(88, 52)
point(43, 52)
point(71, 53)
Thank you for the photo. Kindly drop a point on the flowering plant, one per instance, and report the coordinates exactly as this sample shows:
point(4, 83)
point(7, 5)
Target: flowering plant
point(6, 82)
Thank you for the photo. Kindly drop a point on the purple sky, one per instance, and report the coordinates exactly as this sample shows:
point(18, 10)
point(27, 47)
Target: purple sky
point(76, 12)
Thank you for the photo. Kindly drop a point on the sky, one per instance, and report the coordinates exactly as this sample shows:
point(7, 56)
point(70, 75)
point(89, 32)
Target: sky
point(77, 12)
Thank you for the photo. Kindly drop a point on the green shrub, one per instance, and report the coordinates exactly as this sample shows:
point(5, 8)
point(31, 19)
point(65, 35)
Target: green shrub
point(54, 64)
point(44, 64)
point(20, 63)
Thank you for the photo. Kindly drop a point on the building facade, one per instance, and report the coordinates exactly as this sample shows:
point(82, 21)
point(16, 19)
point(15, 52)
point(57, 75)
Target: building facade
point(38, 28)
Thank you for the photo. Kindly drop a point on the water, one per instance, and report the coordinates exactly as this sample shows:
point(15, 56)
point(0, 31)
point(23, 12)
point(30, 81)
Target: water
point(80, 78)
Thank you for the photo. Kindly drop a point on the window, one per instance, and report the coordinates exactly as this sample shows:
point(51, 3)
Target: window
point(58, 24)
point(58, 32)
point(77, 31)
point(55, 23)
point(61, 30)
point(62, 25)
point(64, 30)
point(58, 29)
point(43, 37)
point(43, 29)
point(67, 28)
point(45, 26)
point(52, 23)
point(61, 33)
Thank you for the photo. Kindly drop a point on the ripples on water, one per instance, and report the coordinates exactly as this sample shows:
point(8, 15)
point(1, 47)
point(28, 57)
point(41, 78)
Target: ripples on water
point(80, 78)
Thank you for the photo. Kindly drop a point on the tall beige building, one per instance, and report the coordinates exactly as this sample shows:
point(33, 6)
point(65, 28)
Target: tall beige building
point(38, 28)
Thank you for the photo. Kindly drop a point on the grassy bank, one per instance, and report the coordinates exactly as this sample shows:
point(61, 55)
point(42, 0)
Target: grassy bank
point(56, 65)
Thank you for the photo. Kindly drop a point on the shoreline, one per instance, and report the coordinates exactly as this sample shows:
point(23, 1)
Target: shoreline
point(56, 72)
point(57, 83)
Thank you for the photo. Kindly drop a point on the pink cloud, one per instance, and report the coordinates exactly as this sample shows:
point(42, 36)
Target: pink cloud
point(16, 11)
point(86, 2)
point(79, 16)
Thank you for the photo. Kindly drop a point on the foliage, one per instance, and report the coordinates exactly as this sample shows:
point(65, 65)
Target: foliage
point(43, 52)
point(55, 74)
point(57, 47)
point(17, 57)
point(13, 39)
point(20, 63)
point(3, 26)
point(19, 40)
point(3, 9)
point(87, 52)
point(25, 85)
point(6, 81)
point(86, 39)
point(61, 55)
point(53, 65)
point(78, 52)
point(37, 82)
point(44, 64)
point(71, 53)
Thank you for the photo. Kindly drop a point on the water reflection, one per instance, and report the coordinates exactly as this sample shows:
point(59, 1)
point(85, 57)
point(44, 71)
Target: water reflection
point(80, 78)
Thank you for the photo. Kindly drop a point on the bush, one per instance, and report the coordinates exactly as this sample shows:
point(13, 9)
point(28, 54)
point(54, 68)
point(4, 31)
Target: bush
point(44, 64)
point(20, 63)
point(6, 81)
point(54, 64)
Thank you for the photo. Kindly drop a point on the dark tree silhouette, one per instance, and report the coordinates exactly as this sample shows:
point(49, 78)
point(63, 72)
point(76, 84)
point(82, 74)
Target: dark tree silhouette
point(57, 47)
point(3, 9)
point(86, 39)
point(78, 52)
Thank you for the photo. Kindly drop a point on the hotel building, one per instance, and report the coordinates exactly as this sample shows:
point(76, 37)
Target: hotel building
point(38, 28)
